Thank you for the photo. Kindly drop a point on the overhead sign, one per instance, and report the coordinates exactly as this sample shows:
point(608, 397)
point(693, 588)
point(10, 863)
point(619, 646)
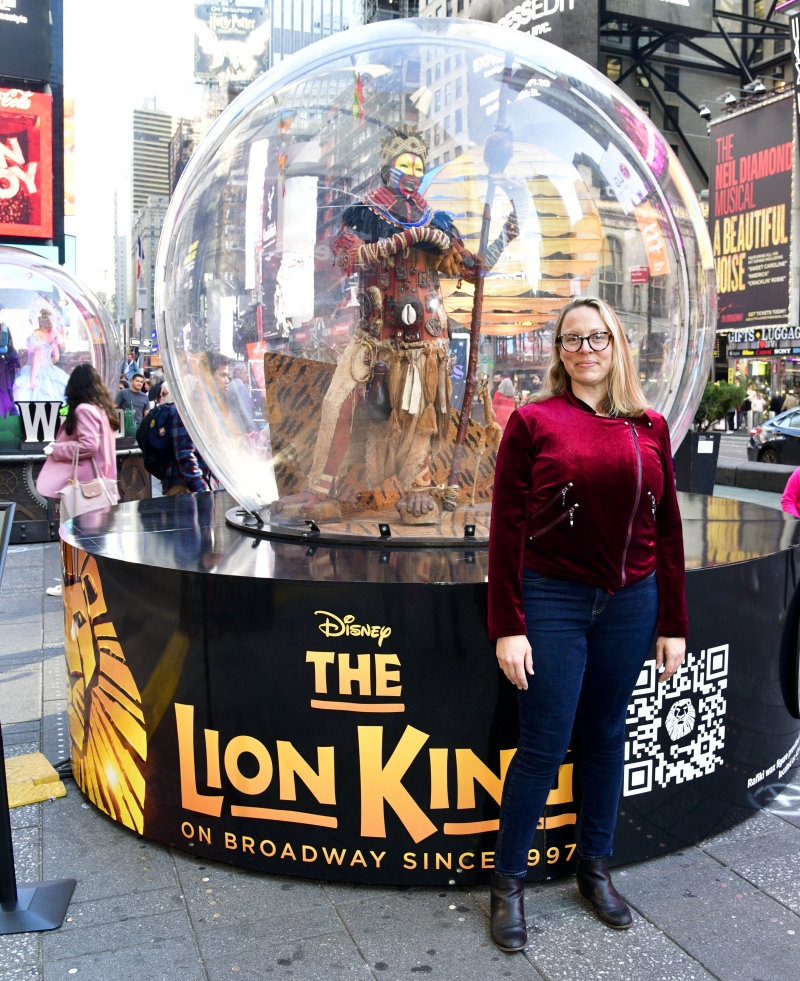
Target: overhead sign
point(231, 43)
point(691, 16)
point(25, 39)
point(26, 164)
point(750, 201)
point(569, 24)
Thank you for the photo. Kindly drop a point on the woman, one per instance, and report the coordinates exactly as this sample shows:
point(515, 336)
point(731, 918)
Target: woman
point(89, 424)
point(503, 402)
point(585, 562)
point(40, 380)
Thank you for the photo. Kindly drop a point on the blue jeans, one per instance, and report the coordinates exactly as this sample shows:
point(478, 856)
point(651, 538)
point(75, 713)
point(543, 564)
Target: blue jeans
point(588, 650)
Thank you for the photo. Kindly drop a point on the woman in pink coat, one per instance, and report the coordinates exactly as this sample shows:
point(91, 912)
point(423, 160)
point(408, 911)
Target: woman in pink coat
point(790, 502)
point(90, 419)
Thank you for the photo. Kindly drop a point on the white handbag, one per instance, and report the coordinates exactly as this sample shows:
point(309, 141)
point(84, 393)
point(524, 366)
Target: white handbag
point(78, 497)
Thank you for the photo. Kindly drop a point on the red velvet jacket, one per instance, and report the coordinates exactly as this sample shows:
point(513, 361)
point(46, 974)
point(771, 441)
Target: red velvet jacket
point(585, 498)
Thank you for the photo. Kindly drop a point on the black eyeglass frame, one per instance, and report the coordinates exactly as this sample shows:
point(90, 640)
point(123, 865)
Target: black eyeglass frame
point(587, 337)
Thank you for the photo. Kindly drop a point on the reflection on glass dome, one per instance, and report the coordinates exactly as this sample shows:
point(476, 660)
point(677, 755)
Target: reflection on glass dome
point(387, 210)
point(48, 324)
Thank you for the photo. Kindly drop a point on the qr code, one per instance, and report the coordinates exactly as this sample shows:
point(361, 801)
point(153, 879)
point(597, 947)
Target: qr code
point(676, 731)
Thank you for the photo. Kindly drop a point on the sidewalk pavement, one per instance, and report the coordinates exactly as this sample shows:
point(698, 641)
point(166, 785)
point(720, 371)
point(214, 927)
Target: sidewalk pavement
point(726, 909)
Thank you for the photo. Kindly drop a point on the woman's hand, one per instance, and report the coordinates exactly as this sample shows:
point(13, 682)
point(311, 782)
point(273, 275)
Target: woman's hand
point(515, 659)
point(670, 652)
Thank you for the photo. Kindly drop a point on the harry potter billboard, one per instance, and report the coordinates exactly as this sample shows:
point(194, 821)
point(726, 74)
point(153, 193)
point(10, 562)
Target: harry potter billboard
point(750, 204)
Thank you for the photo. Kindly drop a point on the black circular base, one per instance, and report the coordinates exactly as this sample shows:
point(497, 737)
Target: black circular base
point(381, 529)
point(338, 713)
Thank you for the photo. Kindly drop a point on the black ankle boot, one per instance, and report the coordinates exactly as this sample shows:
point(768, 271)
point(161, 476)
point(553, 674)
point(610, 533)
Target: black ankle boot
point(508, 912)
point(595, 885)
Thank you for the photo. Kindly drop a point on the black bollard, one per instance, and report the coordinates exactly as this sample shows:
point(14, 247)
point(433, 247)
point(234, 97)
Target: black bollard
point(32, 906)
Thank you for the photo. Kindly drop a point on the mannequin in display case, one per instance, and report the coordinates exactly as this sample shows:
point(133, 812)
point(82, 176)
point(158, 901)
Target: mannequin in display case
point(398, 360)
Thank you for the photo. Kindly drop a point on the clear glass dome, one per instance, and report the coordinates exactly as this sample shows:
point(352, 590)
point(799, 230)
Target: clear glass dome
point(316, 284)
point(49, 322)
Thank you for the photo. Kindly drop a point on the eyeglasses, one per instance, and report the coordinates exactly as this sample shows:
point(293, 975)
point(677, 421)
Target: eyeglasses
point(597, 341)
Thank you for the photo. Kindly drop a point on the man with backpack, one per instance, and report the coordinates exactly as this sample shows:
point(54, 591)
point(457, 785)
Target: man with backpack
point(169, 453)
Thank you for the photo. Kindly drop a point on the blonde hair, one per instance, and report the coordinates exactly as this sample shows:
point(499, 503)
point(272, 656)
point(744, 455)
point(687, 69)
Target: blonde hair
point(625, 396)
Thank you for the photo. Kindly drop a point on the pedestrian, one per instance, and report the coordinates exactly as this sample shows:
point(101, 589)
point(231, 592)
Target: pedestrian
point(758, 404)
point(776, 404)
point(186, 471)
point(790, 401)
point(790, 502)
point(239, 400)
point(134, 398)
point(156, 380)
point(88, 426)
point(585, 567)
point(131, 366)
point(504, 402)
point(496, 380)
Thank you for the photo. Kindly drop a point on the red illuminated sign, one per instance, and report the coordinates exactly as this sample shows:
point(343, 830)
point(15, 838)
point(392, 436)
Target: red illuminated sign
point(26, 164)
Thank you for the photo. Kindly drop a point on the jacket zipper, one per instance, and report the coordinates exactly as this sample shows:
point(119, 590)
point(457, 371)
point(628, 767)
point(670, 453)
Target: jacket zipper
point(653, 505)
point(548, 504)
point(635, 438)
point(562, 517)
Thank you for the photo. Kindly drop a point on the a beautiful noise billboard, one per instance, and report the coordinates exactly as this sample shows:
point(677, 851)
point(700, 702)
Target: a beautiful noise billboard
point(750, 203)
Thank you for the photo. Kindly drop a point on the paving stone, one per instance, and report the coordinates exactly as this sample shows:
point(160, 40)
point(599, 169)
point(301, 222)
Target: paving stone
point(106, 858)
point(20, 692)
point(26, 854)
point(26, 816)
point(29, 972)
point(574, 944)
point(237, 895)
point(18, 950)
point(158, 960)
point(60, 944)
point(54, 676)
point(317, 959)
point(735, 930)
point(54, 622)
point(417, 932)
point(121, 909)
point(19, 638)
point(317, 921)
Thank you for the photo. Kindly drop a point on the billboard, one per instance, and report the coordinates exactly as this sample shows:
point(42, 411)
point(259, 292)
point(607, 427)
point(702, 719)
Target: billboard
point(750, 204)
point(26, 164)
point(691, 16)
point(570, 24)
point(25, 39)
point(231, 44)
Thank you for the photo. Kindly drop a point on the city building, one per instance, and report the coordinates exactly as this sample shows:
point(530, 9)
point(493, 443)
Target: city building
point(181, 147)
point(145, 234)
point(298, 23)
point(152, 132)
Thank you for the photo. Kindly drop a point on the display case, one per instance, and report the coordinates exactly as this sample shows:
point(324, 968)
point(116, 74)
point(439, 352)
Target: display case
point(378, 231)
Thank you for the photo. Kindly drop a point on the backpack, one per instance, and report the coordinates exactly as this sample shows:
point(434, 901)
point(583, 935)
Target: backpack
point(155, 441)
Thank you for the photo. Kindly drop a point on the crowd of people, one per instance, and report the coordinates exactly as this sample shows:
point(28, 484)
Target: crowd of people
point(758, 406)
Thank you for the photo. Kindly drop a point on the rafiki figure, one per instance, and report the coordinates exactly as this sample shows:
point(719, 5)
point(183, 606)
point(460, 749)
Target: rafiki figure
point(398, 357)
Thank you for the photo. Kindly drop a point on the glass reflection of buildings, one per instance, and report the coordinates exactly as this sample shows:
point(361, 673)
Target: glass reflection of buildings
point(313, 134)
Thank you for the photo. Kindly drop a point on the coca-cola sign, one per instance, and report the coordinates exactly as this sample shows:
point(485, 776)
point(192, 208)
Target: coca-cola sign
point(26, 168)
point(15, 99)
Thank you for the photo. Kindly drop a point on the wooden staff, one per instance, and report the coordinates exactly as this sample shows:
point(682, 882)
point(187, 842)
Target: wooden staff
point(449, 499)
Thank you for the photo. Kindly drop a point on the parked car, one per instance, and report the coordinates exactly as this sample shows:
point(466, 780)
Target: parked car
point(776, 440)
